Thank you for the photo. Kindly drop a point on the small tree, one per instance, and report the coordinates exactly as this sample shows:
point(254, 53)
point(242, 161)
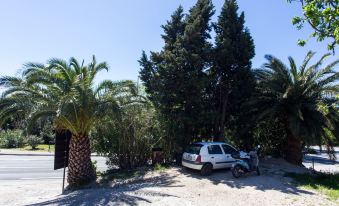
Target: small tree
point(34, 141)
point(127, 140)
point(47, 133)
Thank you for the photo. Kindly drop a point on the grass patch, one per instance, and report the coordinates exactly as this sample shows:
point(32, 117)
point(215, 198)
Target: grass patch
point(160, 167)
point(39, 148)
point(327, 184)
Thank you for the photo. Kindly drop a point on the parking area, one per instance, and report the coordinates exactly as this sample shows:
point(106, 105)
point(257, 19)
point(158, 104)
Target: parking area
point(33, 179)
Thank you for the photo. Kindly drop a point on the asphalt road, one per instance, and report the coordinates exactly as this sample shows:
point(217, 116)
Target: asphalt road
point(34, 167)
point(321, 161)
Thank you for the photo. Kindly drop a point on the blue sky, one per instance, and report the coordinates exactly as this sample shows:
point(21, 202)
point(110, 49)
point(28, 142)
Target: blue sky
point(117, 31)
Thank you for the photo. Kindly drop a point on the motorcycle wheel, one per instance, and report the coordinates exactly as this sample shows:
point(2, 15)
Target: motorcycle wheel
point(258, 171)
point(237, 171)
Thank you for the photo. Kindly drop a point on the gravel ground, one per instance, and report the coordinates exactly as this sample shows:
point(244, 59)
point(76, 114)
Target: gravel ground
point(175, 186)
point(28, 191)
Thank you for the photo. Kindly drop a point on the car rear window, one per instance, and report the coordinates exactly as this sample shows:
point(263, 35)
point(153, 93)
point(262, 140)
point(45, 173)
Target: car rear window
point(193, 149)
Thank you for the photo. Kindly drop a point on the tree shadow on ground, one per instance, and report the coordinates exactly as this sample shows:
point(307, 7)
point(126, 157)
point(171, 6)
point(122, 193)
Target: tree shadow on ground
point(123, 194)
point(141, 191)
point(270, 179)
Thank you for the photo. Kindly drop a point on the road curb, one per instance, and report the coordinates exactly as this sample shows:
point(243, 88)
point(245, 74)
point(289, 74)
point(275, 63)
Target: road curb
point(39, 154)
point(16, 154)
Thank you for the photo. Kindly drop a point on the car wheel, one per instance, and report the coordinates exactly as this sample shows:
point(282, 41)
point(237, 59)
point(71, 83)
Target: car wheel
point(206, 169)
point(237, 171)
point(258, 171)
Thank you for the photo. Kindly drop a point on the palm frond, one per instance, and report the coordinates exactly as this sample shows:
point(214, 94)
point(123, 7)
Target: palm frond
point(319, 62)
point(307, 59)
point(75, 64)
point(63, 68)
point(294, 70)
point(8, 81)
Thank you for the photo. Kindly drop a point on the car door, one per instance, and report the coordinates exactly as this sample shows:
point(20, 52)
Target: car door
point(228, 150)
point(216, 155)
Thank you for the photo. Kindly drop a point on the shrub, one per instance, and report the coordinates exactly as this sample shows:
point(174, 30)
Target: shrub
point(11, 139)
point(127, 141)
point(270, 135)
point(33, 141)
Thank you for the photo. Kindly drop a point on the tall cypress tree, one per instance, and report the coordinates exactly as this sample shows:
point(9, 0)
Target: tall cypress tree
point(175, 77)
point(195, 51)
point(157, 72)
point(162, 78)
point(197, 87)
point(230, 71)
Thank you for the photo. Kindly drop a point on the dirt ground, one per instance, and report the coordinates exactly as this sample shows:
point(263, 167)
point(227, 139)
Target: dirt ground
point(176, 186)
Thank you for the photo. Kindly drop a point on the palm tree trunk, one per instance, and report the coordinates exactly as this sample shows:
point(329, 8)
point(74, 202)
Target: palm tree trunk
point(293, 150)
point(80, 168)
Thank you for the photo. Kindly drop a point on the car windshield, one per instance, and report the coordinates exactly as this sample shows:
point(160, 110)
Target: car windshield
point(193, 149)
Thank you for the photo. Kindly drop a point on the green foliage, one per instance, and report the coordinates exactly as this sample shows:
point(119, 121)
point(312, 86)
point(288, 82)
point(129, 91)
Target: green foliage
point(42, 147)
point(301, 42)
point(95, 166)
point(11, 139)
point(65, 92)
point(303, 100)
point(160, 168)
point(231, 80)
point(196, 87)
point(127, 140)
point(47, 133)
point(323, 17)
point(33, 141)
point(327, 184)
point(270, 135)
point(175, 77)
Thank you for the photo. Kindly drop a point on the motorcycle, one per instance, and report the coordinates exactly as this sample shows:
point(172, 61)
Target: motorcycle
point(245, 163)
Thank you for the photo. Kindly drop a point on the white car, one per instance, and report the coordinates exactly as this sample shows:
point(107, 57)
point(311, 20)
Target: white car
point(206, 156)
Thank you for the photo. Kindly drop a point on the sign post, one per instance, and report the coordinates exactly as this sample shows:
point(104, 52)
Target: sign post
point(62, 139)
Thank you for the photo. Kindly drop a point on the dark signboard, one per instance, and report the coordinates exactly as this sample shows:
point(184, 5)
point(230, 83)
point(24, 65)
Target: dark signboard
point(62, 139)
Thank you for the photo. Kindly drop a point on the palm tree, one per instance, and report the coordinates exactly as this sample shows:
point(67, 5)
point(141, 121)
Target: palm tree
point(302, 99)
point(66, 92)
